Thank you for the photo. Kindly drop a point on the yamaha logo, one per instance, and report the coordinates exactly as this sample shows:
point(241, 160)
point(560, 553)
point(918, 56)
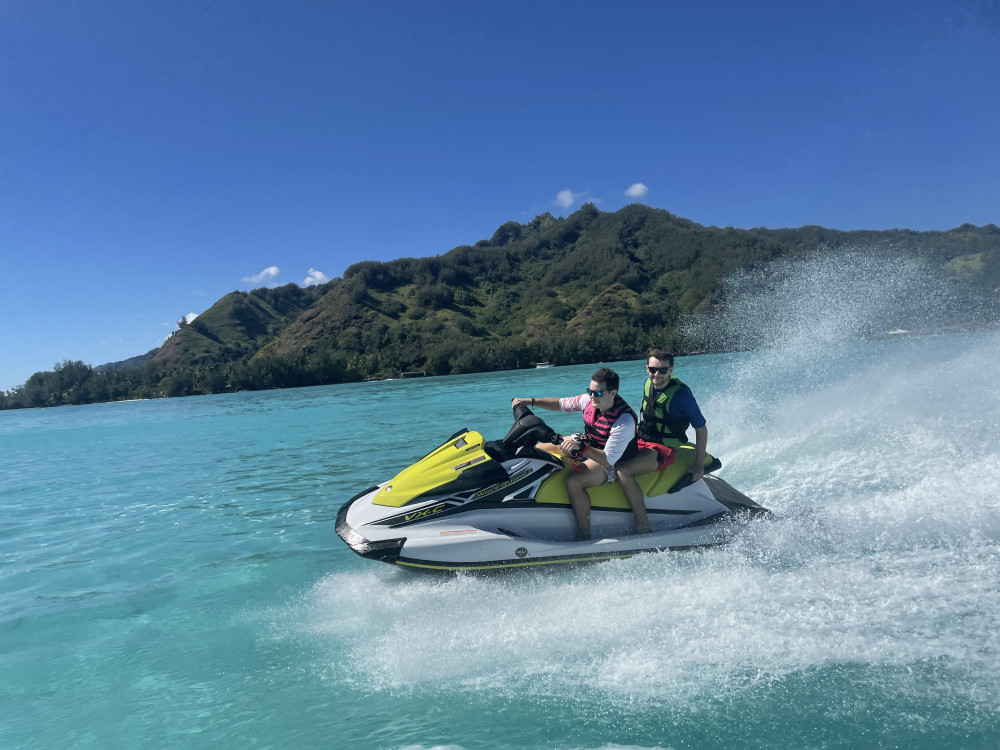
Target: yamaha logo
point(521, 552)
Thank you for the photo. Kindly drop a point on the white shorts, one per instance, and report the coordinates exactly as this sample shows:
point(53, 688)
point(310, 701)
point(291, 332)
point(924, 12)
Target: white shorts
point(611, 476)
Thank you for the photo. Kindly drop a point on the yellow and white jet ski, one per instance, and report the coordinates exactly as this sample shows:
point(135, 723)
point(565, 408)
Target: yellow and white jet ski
point(478, 505)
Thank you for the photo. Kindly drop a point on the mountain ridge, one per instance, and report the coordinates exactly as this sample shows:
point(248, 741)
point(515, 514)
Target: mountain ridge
point(592, 286)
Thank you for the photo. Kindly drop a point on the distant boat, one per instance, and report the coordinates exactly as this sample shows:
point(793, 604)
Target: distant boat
point(543, 364)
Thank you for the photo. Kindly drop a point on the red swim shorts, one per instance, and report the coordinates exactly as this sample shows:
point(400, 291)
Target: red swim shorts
point(664, 455)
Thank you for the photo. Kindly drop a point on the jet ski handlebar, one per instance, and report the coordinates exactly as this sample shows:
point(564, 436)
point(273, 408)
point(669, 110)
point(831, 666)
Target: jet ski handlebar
point(528, 430)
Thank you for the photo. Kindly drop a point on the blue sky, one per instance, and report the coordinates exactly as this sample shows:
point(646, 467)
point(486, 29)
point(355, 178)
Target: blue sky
point(155, 156)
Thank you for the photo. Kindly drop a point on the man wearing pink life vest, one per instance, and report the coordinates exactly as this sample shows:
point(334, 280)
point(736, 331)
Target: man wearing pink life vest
point(610, 429)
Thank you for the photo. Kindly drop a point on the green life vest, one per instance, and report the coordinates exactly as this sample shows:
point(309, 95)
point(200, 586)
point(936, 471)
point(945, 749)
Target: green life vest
point(658, 424)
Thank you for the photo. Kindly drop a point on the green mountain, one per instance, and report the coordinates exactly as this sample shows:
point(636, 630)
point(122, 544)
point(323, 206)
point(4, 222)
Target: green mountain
point(594, 286)
point(236, 326)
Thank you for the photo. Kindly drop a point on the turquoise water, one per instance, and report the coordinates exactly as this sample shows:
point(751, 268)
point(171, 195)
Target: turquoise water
point(170, 576)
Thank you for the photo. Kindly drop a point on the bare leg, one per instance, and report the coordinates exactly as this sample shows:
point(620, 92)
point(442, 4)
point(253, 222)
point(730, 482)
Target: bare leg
point(591, 475)
point(642, 463)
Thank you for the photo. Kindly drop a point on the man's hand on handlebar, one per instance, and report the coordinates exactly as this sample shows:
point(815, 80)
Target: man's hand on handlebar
point(573, 448)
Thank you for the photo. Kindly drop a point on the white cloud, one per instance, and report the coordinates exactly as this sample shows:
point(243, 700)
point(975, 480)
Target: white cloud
point(638, 190)
point(268, 273)
point(190, 316)
point(567, 198)
point(315, 277)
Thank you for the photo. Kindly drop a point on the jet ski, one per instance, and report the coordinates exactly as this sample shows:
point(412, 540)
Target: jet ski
point(478, 505)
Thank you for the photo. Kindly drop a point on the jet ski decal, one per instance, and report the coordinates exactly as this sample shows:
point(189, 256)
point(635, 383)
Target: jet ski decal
point(497, 487)
point(415, 516)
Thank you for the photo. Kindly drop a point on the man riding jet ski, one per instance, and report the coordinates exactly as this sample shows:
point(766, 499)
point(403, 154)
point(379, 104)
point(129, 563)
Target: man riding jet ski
point(473, 504)
point(610, 435)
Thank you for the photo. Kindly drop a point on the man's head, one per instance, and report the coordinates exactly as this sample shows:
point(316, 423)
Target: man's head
point(603, 388)
point(660, 366)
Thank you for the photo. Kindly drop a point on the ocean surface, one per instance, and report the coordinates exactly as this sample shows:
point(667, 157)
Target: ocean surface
point(170, 576)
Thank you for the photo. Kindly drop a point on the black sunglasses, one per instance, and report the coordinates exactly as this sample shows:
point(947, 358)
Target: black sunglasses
point(594, 394)
point(661, 370)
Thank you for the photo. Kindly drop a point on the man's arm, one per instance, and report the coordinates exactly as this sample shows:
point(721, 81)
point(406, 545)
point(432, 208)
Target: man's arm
point(549, 403)
point(700, 447)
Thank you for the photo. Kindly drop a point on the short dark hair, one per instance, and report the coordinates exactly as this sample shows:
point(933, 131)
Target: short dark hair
point(606, 376)
point(660, 355)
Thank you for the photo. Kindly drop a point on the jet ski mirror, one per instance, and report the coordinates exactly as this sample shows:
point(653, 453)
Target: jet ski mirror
point(528, 430)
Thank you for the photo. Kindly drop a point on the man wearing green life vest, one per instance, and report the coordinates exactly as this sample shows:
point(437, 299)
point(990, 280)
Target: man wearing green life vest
point(668, 409)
